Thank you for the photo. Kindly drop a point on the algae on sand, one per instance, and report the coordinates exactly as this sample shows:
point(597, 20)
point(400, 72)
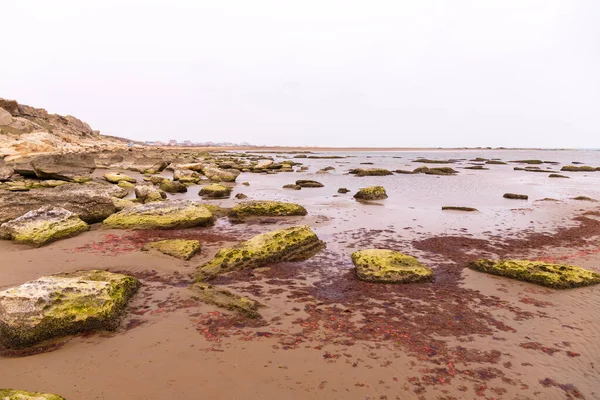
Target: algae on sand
point(179, 248)
point(558, 276)
point(225, 299)
point(388, 266)
point(297, 243)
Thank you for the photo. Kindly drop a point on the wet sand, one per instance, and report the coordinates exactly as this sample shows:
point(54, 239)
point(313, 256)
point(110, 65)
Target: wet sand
point(326, 335)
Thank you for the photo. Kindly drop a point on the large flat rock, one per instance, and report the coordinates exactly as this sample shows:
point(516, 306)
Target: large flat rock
point(168, 214)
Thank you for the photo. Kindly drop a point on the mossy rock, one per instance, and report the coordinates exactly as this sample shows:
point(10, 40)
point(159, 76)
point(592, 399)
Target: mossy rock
point(370, 172)
point(116, 177)
point(148, 194)
point(154, 179)
point(557, 176)
point(584, 198)
point(495, 162)
point(404, 171)
point(528, 161)
point(51, 183)
point(170, 214)
point(126, 185)
point(435, 171)
point(308, 183)
point(388, 266)
point(240, 196)
point(12, 394)
point(343, 190)
point(456, 208)
point(297, 243)
point(371, 193)
point(215, 191)
point(292, 186)
point(170, 186)
point(266, 209)
point(558, 276)
point(179, 248)
point(515, 196)
point(63, 304)
point(477, 168)
point(429, 161)
point(121, 204)
point(42, 226)
point(583, 168)
point(225, 299)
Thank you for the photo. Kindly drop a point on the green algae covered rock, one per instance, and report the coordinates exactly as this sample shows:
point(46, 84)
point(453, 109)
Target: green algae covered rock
point(371, 193)
point(515, 196)
point(292, 186)
point(225, 299)
point(116, 177)
point(63, 304)
point(42, 226)
point(582, 168)
point(443, 171)
point(12, 394)
point(308, 183)
point(125, 185)
point(147, 193)
point(221, 175)
point(558, 276)
point(388, 266)
point(179, 248)
point(297, 243)
point(161, 215)
point(266, 209)
point(370, 172)
point(215, 191)
point(170, 186)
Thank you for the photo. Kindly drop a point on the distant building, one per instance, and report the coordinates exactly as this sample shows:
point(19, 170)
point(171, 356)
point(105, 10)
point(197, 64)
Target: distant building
point(172, 142)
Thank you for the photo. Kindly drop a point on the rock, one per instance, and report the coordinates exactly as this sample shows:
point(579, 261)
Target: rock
point(241, 196)
point(191, 166)
point(225, 299)
point(371, 193)
point(558, 276)
point(170, 186)
point(5, 117)
point(23, 168)
point(66, 167)
point(50, 183)
point(121, 204)
point(126, 185)
point(388, 266)
point(91, 202)
point(435, 171)
point(116, 177)
point(221, 175)
point(215, 191)
point(246, 183)
point(6, 172)
point(455, 208)
point(266, 209)
point(557, 176)
point(43, 226)
point(477, 168)
point(169, 214)
point(428, 161)
point(179, 248)
point(515, 196)
point(297, 243)
point(11, 394)
point(146, 165)
point(292, 186)
point(262, 164)
point(107, 160)
point(583, 168)
point(343, 190)
point(186, 175)
point(308, 184)
point(63, 304)
point(584, 198)
point(495, 162)
point(370, 172)
point(154, 179)
point(148, 193)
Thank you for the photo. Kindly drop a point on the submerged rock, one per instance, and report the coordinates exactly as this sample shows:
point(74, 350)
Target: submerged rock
point(370, 172)
point(221, 175)
point(266, 209)
point(42, 226)
point(161, 215)
point(63, 304)
point(297, 243)
point(225, 299)
point(371, 193)
point(388, 266)
point(558, 276)
point(12, 394)
point(148, 193)
point(215, 191)
point(116, 177)
point(308, 183)
point(170, 186)
point(179, 248)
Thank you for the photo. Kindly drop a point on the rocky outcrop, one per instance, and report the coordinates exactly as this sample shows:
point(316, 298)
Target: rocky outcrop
point(292, 244)
point(225, 299)
point(43, 226)
point(388, 266)
point(12, 394)
point(169, 214)
point(179, 248)
point(371, 193)
point(67, 167)
point(266, 209)
point(91, 202)
point(221, 175)
point(558, 276)
point(63, 304)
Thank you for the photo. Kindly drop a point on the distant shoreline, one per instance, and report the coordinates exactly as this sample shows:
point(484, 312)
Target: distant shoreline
point(297, 149)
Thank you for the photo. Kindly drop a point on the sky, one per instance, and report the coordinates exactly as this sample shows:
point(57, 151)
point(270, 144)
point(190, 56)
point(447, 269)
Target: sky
point(513, 73)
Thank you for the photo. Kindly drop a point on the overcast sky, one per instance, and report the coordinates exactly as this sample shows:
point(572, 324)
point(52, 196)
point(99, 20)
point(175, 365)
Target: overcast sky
point(325, 72)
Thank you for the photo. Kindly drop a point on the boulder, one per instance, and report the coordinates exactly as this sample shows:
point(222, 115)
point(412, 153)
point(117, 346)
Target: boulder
point(6, 172)
point(308, 184)
point(225, 299)
point(558, 276)
point(154, 179)
point(297, 243)
point(170, 186)
point(12, 394)
point(146, 165)
point(221, 175)
point(42, 226)
point(266, 209)
point(215, 191)
point(241, 196)
point(63, 304)
point(179, 248)
point(169, 214)
point(66, 167)
point(148, 193)
point(388, 266)
point(371, 193)
point(116, 177)
point(198, 167)
point(91, 202)
point(262, 164)
point(186, 175)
